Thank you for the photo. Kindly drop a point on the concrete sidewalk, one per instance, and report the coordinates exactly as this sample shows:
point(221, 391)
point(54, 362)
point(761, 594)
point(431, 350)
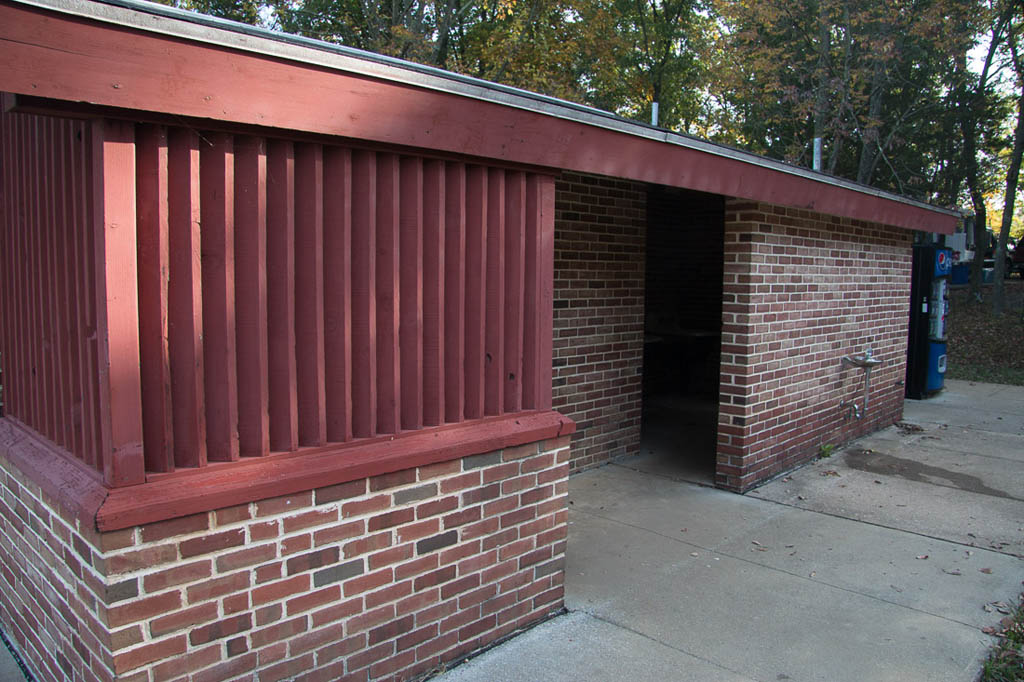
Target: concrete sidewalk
point(873, 565)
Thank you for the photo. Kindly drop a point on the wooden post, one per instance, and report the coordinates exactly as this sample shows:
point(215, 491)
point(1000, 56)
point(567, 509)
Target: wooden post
point(117, 302)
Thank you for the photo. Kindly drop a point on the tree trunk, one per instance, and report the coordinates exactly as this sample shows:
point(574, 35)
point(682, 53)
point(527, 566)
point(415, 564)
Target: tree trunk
point(1012, 175)
point(869, 134)
point(821, 86)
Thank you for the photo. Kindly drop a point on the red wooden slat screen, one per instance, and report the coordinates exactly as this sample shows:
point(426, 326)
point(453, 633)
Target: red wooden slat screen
point(48, 344)
point(290, 294)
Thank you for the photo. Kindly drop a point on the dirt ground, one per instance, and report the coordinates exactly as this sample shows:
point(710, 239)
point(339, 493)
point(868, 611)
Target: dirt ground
point(983, 347)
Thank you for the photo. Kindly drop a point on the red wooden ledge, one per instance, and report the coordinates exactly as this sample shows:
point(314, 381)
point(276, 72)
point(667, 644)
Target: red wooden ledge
point(168, 496)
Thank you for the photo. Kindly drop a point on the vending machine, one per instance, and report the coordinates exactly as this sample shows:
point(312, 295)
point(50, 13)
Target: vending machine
point(929, 306)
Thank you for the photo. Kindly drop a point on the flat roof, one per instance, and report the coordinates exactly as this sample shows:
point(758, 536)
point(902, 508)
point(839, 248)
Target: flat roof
point(740, 174)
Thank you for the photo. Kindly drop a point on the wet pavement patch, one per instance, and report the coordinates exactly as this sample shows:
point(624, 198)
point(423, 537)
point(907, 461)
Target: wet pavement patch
point(879, 463)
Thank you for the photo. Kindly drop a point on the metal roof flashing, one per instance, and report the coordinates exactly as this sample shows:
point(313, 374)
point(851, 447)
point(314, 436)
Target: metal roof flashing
point(169, 21)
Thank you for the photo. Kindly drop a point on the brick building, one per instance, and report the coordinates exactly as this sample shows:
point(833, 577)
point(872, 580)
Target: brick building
point(300, 345)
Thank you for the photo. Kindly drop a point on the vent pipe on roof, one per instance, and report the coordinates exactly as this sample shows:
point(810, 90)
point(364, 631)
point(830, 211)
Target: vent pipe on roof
point(654, 113)
point(817, 154)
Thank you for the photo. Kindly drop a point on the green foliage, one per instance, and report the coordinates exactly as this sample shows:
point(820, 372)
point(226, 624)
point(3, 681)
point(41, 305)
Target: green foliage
point(826, 450)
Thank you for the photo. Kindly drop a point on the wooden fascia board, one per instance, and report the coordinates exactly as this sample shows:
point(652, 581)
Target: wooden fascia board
point(48, 54)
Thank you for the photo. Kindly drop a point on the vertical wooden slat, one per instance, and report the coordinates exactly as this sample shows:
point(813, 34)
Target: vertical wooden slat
point(545, 301)
point(85, 296)
point(309, 293)
point(72, 307)
point(454, 291)
point(515, 245)
point(117, 302)
point(35, 364)
point(14, 390)
point(532, 287)
point(217, 209)
point(53, 409)
point(44, 418)
point(185, 299)
point(89, 296)
point(388, 370)
point(364, 288)
point(476, 289)
point(251, 296)
point(338, 292)
point(18, 403)
point(26, 404)
point(283, 400)
point(62, 308)
point(7, 199)
point(60, 407)
point(154, 273)
point(411, 292)
point(494, 348)
point(33, 254)
point(433, 293)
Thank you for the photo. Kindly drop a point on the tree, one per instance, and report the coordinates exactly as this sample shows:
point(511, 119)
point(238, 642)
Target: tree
point(1013, 170)
point(658, 60)
point(866, 77)
point(978, 103)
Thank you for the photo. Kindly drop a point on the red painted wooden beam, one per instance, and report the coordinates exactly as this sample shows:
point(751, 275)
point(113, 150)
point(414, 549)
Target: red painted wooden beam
point(309, 293)
point(337, 263)
point(283, 396)
point(434, 338)
point(410, 333)
point(154, 274)
point(185, 300)
point(454, 292)
point(389, 389)
point(251, 296)
point(221, 485)
point(117, 303)
point(217, 203)
point(364, 294)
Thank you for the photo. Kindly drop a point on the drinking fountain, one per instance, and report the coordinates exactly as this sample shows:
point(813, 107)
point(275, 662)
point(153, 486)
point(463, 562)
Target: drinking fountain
point(866, 362)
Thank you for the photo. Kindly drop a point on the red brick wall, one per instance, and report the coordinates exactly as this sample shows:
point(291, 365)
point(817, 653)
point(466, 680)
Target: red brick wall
point(392, 575)
point(600, 224)
point(801, 291)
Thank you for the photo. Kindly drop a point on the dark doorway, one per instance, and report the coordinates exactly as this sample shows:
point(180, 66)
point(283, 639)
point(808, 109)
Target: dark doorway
point(682, 333)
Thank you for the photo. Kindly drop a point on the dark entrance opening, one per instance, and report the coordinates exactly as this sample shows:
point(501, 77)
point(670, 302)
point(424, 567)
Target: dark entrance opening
point(682, 333)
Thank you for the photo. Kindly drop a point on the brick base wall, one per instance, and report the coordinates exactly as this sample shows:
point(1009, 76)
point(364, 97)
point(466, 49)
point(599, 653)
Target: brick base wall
point(801, 291)
point(600, 224)
point(381, 578)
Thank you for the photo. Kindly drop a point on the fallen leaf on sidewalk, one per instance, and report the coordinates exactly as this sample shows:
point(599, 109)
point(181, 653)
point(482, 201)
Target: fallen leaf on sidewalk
point(955, 571)
point(922, 556)
point(986, 571)
point(989, 630)
point(830, 472)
